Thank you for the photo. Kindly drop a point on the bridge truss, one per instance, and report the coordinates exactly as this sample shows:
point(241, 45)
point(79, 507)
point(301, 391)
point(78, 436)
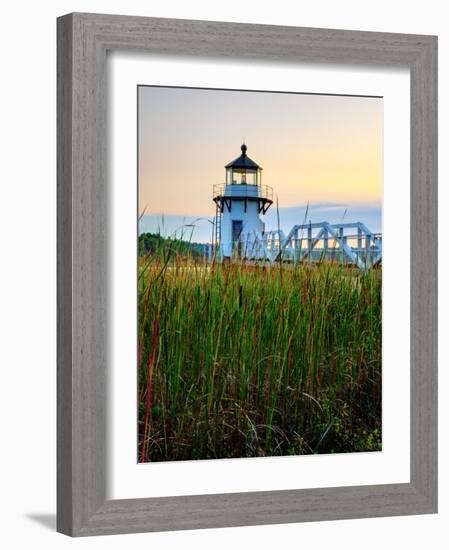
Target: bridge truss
point(350, 243)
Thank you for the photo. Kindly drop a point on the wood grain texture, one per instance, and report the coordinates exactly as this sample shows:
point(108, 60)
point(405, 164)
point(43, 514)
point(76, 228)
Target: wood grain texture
point(83, 40)
point(64, 276)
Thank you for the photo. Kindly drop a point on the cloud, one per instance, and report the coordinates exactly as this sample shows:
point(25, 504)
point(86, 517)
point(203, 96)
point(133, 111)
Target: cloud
point(199, 228)
point(193, 228)
point(370, 215)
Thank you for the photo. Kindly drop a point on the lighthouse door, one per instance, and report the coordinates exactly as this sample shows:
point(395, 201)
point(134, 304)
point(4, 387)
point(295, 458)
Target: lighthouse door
point(237, 226)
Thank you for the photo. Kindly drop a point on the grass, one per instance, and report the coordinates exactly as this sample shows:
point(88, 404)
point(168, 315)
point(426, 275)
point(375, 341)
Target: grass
point(244, 361)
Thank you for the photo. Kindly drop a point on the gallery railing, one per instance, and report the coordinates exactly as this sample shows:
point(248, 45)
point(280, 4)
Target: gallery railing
point(242, 190)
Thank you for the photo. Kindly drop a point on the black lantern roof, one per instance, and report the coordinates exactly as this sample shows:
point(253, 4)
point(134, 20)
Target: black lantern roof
point(243, 161)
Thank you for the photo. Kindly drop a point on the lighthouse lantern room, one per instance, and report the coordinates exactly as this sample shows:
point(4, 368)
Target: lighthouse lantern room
point(241, 203)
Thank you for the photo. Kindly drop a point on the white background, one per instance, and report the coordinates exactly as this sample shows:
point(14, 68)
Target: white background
point(131, 480)
point(27, 300)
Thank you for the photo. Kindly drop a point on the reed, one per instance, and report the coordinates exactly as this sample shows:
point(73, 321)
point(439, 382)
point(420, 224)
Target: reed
point(241, 361)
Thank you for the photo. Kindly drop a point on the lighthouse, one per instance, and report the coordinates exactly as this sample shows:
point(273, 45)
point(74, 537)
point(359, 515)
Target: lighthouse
point(241, 202)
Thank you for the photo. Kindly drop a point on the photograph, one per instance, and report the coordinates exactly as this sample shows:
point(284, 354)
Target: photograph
point(259, 273)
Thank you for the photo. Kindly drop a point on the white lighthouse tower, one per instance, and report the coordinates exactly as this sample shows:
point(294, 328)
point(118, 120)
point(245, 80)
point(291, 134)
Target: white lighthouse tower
point(241, 203)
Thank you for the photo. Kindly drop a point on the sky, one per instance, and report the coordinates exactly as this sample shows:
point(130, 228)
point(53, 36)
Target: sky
point(317, 150)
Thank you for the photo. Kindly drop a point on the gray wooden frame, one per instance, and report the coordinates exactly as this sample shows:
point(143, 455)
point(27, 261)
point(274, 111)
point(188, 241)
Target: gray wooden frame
point(83, 40)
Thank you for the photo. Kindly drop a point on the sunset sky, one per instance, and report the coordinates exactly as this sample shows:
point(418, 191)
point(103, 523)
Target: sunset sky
point(316, 149)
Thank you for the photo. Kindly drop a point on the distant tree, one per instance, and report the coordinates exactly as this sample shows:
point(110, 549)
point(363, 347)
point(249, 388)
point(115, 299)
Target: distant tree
point(150, 243)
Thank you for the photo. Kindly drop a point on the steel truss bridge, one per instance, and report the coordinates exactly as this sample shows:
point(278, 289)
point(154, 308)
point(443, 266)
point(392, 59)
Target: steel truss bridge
point(349, 243)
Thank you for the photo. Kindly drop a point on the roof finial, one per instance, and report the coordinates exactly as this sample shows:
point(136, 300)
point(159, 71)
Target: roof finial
point(243, 148)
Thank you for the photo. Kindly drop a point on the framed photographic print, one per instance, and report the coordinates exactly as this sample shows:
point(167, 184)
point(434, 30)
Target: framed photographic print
point(246, 274)
point(250, 307)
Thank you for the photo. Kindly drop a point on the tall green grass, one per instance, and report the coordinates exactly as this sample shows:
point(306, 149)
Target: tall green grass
point(243, 361)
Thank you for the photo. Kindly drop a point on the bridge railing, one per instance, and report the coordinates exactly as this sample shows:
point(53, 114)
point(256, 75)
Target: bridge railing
point(322, 240)
point(351, 243)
